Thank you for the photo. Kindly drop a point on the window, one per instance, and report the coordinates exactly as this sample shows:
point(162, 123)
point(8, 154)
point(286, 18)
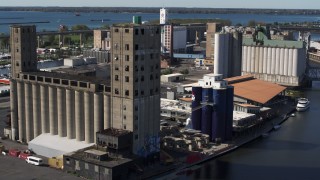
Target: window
point(142, 78)
point(142, 68)
point(77, 166)
point(156, 90)
point(136, 108)
point(86, 166)
point(157, 76)
point(124, 117)
point(142, 93)
point(136, 136)
point(116, 30)
point(151, 56)
point(124, 107)
point(116, 67)
point(151, 92)
point(17, 50)
point(126, 92)
point(127, 57)
point(126, 78)
point(157, 31)
point(126, 47)
point(116, 78)
point(136, 57)
point(126, 30)
point(124, 126)
point(151, 68)
point(142, 57)
point(136, 47)
point(142, 31)
point(136, 31)
point(136, 92)
point(116, 91)
point(17, 64)
point(116, 57)
point(151, 77)
point(137, 79)
point(126, 68)
point(96, 168)
point(157, 66)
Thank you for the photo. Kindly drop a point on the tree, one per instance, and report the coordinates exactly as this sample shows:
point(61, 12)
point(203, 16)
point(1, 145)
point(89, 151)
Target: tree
point(184, 71)
point(252, 23)
point(79, 27)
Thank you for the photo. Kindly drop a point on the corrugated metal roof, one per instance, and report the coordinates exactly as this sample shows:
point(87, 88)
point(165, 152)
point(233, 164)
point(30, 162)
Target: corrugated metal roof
point(257, 90)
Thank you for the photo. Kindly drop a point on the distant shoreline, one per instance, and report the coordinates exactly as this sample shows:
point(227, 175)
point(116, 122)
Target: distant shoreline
point(171, 10)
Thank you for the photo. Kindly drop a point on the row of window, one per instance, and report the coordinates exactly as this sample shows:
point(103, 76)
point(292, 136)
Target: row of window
point(136, 31)
point(126, 68)
point(136, 92)
point(127, 79)
point(137, 57)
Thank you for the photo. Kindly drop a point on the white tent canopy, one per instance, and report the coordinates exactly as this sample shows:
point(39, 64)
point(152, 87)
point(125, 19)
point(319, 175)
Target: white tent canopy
point(52, 145)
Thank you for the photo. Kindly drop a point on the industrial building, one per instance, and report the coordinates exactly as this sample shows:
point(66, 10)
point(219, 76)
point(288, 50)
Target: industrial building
point(228, 53)
point(212, 107)
point(176, 77)
point(164, 16)
point(173, 38)
point(212, 29)
point(75, 107)
point(278, 61)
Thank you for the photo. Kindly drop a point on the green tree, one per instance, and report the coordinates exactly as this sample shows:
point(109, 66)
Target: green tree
point(184, 71)
point(79, 27)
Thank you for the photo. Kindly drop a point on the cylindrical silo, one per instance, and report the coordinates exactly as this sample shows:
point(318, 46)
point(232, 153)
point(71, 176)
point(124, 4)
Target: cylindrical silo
point(277, 63)
point(244, 58)
point(28, 113)
point(290, 62)
point(107, 111)
point(256, 59)
point(219, 53)
point(265, 60)
point(261, 59)
point(70, 103)
point(281, 61)
point(219, 114)
point(295, 63)
point(196, 110)
point(36, 110)
point(252, 59)
point(44, 109)
point(21, 111)
point(53, 110)
point(286, 57)
point(249, 58)
point(14, 109)
point(61, 101)
point(273, 62)
point(78, 115)
point(269, 59)
point(229, 113)
point(88, 114)
point(98, 114)
point(206, 111)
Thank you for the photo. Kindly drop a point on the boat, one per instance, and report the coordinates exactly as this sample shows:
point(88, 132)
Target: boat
point(303, 104)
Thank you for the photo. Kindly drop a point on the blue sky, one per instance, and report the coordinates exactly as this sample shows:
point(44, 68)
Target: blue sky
point(281, 4)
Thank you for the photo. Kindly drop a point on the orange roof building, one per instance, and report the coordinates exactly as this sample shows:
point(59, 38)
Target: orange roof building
point(255, 90)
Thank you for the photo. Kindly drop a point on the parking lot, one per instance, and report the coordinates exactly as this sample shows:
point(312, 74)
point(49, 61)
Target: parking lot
point(15, 168)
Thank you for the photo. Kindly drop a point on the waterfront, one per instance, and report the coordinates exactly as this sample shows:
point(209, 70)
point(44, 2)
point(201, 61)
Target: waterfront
point(292, 152)
point(69, 18)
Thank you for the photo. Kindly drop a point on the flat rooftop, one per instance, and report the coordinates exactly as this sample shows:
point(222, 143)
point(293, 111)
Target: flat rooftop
point(114, 132)
point(238, 115)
